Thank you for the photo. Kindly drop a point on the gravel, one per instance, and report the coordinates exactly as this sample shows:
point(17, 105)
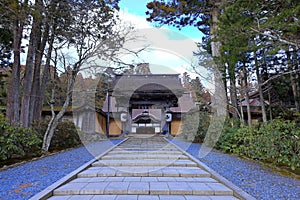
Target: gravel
point(258, 181)
point(24, 181)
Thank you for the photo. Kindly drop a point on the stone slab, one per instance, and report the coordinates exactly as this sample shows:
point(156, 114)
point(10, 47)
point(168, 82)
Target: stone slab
point(104, 197)
point(69, 189)
point(182, 189)
point(159, 188)
point(94, 188)
point(200, 188)
point(138, 188)
point(117, 188)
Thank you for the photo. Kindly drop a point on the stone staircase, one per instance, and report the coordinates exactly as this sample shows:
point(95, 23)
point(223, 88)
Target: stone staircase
point(144, 169)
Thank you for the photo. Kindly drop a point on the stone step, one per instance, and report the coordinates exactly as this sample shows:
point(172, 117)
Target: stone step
point(150, 145)
point(147, 171)
point(141, 197)
point(122, 152)
point(143, 145)
point(144, 169)
point(143, 188)
point(144, 156)
point(145, 179)
point(145, 162)
point(151, 148)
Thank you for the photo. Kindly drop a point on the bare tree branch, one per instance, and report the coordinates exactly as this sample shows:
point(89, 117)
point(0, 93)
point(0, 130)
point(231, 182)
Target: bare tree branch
point(278, 75)
point(275, 37)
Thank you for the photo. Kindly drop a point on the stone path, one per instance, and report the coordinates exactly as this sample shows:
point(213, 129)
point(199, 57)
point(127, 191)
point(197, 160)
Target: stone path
point(144, 169)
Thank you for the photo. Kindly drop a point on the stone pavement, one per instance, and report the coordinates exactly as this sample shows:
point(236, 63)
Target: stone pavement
point(144, 169)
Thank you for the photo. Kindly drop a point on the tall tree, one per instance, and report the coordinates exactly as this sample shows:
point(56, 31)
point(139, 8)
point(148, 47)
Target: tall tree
point(202, 14)
point(260, 89)
point(260, 29)
point(16, 12)
point(246, 94)
point(56, 33)
point(92, 34)
point(34, 42)
point(234, 38)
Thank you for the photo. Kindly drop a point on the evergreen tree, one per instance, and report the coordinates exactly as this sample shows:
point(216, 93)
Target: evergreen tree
point(202, 14)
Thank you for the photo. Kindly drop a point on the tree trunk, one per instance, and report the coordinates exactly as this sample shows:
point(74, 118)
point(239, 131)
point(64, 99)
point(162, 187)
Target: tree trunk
point(50, 22)
point(225, 90)
point(51, 127)
point(270, 105)
point(35, 89)
point(13, 94)
point(293, 81)
point(28, 77)
point(296, 64)
point(249, 117)
point(56, 118)
point(261, 97)
point(220, 96)
point(46, 75)
point(36, 92)
point(233, 97)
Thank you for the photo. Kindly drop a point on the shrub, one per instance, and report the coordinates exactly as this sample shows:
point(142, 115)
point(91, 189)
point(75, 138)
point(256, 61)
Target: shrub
point(204, 122)
point(65, 135)
point(195, 125)
point(17, 141)
point(276, 141)
point(279, 142)
point(228, 141)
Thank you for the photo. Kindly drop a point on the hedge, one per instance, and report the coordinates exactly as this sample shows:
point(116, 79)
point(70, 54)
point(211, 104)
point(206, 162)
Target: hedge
point(276, 141)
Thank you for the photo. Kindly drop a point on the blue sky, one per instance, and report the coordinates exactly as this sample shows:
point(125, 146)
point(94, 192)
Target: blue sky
point(171, 50)
point(138, 8)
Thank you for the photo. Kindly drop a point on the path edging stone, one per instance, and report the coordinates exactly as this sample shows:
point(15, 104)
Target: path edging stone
point(237, 191)
point(48, 192)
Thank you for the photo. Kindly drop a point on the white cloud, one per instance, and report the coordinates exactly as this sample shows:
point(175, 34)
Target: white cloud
point(169, 51)
point(139, 21)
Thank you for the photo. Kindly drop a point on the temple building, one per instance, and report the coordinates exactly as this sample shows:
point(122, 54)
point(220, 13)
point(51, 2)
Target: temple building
point(138, 104)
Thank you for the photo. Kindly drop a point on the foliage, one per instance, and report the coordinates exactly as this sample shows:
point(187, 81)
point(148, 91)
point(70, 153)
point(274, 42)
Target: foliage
point(195, 126)
point(48, 27)
point(3, 87)
point(17, 141)
point(276, 142)
point(65, 135)
point(204, 122)
point(278, 20)
point(227, 140)
point(262, 38)
point(6, 40)
point(95, 33)
point(198, 90)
